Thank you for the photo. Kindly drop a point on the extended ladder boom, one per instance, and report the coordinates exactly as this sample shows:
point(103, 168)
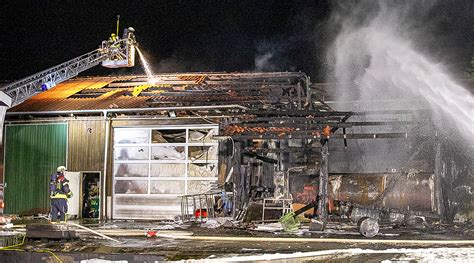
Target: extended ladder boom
point(25, 88)
point(120, 53)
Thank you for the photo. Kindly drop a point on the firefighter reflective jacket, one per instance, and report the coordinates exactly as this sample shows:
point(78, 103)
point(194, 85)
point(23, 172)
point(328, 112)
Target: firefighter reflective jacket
point(62, 189)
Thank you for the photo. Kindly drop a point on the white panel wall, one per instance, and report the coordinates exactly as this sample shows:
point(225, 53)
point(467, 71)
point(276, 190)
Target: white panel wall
point(154, 166)
point(74, 184)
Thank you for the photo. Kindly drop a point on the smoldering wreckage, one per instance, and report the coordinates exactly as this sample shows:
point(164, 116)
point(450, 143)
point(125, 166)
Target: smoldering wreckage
point(259, 153)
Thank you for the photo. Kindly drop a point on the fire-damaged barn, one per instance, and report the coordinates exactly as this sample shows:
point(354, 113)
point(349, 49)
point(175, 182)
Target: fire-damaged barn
point(248, 145)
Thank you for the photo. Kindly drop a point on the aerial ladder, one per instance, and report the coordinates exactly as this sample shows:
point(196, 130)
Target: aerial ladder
point(113, 53)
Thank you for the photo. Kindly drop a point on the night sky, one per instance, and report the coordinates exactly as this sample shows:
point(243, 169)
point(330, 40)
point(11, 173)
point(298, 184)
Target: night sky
point(180, 36)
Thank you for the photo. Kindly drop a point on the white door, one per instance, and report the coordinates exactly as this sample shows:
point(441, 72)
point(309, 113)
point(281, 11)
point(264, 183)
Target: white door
point(154, 166)
point(74, 184)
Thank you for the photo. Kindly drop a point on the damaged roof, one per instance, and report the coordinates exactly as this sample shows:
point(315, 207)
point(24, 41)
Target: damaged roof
point(257, 105)
point(269, 105)
point(253, 90)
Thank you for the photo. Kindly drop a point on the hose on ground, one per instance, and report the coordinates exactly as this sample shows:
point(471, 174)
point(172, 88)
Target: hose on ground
point(94, 232)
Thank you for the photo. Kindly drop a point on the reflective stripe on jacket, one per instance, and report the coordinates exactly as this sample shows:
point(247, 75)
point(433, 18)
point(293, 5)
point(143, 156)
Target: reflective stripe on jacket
point(62, 189)
point(59, 196)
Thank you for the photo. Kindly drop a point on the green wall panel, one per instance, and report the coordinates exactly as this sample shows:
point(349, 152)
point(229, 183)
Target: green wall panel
point(32, 153)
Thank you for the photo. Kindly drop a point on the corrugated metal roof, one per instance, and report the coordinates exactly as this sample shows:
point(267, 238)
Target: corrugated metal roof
point(126, 92)
point(57, 97)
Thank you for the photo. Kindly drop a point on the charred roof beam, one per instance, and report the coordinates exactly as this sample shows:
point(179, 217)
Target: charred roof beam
point(308, 135)
point(312, 123)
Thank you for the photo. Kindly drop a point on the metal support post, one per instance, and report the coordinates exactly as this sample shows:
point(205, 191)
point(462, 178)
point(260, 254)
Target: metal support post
point(200, 208)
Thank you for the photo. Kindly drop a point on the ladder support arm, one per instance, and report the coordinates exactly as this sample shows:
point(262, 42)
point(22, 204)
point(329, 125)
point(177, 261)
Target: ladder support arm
point(23, 89)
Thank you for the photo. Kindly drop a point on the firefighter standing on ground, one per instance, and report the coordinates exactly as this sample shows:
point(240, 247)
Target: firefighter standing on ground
point(60, 192)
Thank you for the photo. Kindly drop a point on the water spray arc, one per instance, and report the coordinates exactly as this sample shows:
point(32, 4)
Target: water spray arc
point(146, 67)
point(376, 61)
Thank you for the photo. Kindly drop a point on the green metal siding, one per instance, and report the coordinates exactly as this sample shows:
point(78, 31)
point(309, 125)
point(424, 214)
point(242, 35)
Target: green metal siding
point(32, 153)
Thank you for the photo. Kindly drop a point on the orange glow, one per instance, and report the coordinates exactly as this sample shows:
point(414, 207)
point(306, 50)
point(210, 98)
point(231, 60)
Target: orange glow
point(327, 131)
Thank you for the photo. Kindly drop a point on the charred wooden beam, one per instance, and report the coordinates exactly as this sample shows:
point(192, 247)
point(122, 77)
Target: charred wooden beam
point(309, 135)
point(320, 124)
point(393, 135)
point(230, 93)
point(304, 119)
point(299, 91)
point(323, 186)
point(335, 128)
point(259, 157)
point(238, 176)
point(388, 112)
point(299, 113)
point(312, 150)
point(222, 85)
point(345, 140)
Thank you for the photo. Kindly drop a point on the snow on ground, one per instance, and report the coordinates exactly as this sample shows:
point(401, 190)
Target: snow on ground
point(418, 254)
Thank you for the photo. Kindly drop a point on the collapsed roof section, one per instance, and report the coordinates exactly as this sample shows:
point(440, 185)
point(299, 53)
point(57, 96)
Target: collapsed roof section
point(270, 105)
point(280, 90)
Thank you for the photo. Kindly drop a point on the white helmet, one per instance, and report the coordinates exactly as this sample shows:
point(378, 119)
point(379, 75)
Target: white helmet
point(61, 169)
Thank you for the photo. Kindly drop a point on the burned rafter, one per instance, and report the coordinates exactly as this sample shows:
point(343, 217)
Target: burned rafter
point(280, 124)
point(312, 124)
point(199, 98)
point(307, 150)
point(212, 90)
point(255, 119)
point(306, 124)
point(239, 86)
point(259, 157)
point(335, 128)
point(204, 104)
point(308, 135)
point(300, 113)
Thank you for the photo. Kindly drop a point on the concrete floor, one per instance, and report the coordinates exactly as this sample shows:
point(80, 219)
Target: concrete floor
point(193, 242)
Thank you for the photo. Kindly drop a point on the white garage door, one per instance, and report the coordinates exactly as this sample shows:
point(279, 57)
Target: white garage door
point(154, 166)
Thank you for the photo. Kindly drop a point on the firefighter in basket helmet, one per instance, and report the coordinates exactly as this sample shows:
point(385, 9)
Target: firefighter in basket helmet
point(113, 38)
point(59, 193)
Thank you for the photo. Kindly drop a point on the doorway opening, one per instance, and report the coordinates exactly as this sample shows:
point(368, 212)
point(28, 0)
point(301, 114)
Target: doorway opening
point(90, 194)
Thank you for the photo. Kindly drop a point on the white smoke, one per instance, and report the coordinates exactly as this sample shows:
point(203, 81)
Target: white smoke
point(374, 59)
point(263, 62)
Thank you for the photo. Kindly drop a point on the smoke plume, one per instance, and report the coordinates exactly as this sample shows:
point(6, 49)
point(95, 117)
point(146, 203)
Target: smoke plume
point(376, 57)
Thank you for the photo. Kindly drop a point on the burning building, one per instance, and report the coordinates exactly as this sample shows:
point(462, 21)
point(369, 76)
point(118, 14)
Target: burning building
point(268, 141)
